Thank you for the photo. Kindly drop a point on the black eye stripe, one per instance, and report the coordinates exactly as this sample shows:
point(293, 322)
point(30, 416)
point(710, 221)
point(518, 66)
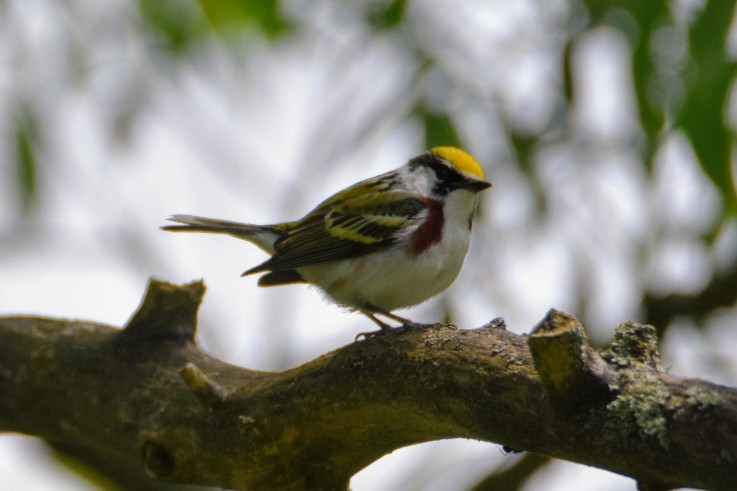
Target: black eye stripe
point(448, 177)
point(446, 174)
point(443, 172)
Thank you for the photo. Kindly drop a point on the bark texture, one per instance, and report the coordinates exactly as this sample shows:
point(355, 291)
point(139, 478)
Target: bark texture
point(148, 393)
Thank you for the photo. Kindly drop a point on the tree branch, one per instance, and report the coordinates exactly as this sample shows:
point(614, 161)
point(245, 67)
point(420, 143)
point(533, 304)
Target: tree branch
point(147, 392)
point(720, 292)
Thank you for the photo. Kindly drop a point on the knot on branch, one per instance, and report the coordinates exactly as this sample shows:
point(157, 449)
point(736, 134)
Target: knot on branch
point(208, 391)
point(167, 312)
point(634, 344)
point(572, 371)
point(157, 460)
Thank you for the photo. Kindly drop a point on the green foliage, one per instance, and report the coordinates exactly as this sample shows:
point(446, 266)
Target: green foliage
point(702, 116)
point(439, 129)
point(26, 161)
point(387, 16)
point(695, 102)
point(638, 21)
point(177, 22)
point(227, 16)
point(181, 22)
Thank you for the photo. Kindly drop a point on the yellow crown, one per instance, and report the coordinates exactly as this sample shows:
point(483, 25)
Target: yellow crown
point(463, 161)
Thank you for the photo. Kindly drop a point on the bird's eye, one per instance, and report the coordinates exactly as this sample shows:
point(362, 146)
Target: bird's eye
point(442, 172)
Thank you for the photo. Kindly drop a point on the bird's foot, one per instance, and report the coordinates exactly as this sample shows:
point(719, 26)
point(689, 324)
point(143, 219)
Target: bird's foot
point(417, 326)
point(405, 327)
point(385, 329)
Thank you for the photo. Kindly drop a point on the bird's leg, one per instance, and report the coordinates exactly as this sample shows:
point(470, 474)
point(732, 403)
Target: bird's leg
point(407, 323)
point(385, 328)
point(371, 312)
point(402, 320)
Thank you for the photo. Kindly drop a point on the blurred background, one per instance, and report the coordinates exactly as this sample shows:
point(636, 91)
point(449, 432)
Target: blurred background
point(607, 128)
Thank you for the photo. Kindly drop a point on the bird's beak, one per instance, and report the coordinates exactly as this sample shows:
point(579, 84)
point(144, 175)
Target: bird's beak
point(474, 185)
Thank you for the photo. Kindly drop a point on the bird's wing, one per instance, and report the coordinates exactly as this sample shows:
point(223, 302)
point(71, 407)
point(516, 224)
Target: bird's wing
point(348, 226)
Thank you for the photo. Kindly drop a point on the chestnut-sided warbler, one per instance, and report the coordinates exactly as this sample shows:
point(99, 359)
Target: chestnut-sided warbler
point(389, 242)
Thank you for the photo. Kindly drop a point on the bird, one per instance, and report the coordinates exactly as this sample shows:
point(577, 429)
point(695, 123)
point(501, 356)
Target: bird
point(383, 244)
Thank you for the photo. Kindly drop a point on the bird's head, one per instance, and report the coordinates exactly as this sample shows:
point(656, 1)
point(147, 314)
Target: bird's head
point(443, 170)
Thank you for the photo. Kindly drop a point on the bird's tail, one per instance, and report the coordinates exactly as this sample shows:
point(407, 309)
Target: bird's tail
point(263, 236)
